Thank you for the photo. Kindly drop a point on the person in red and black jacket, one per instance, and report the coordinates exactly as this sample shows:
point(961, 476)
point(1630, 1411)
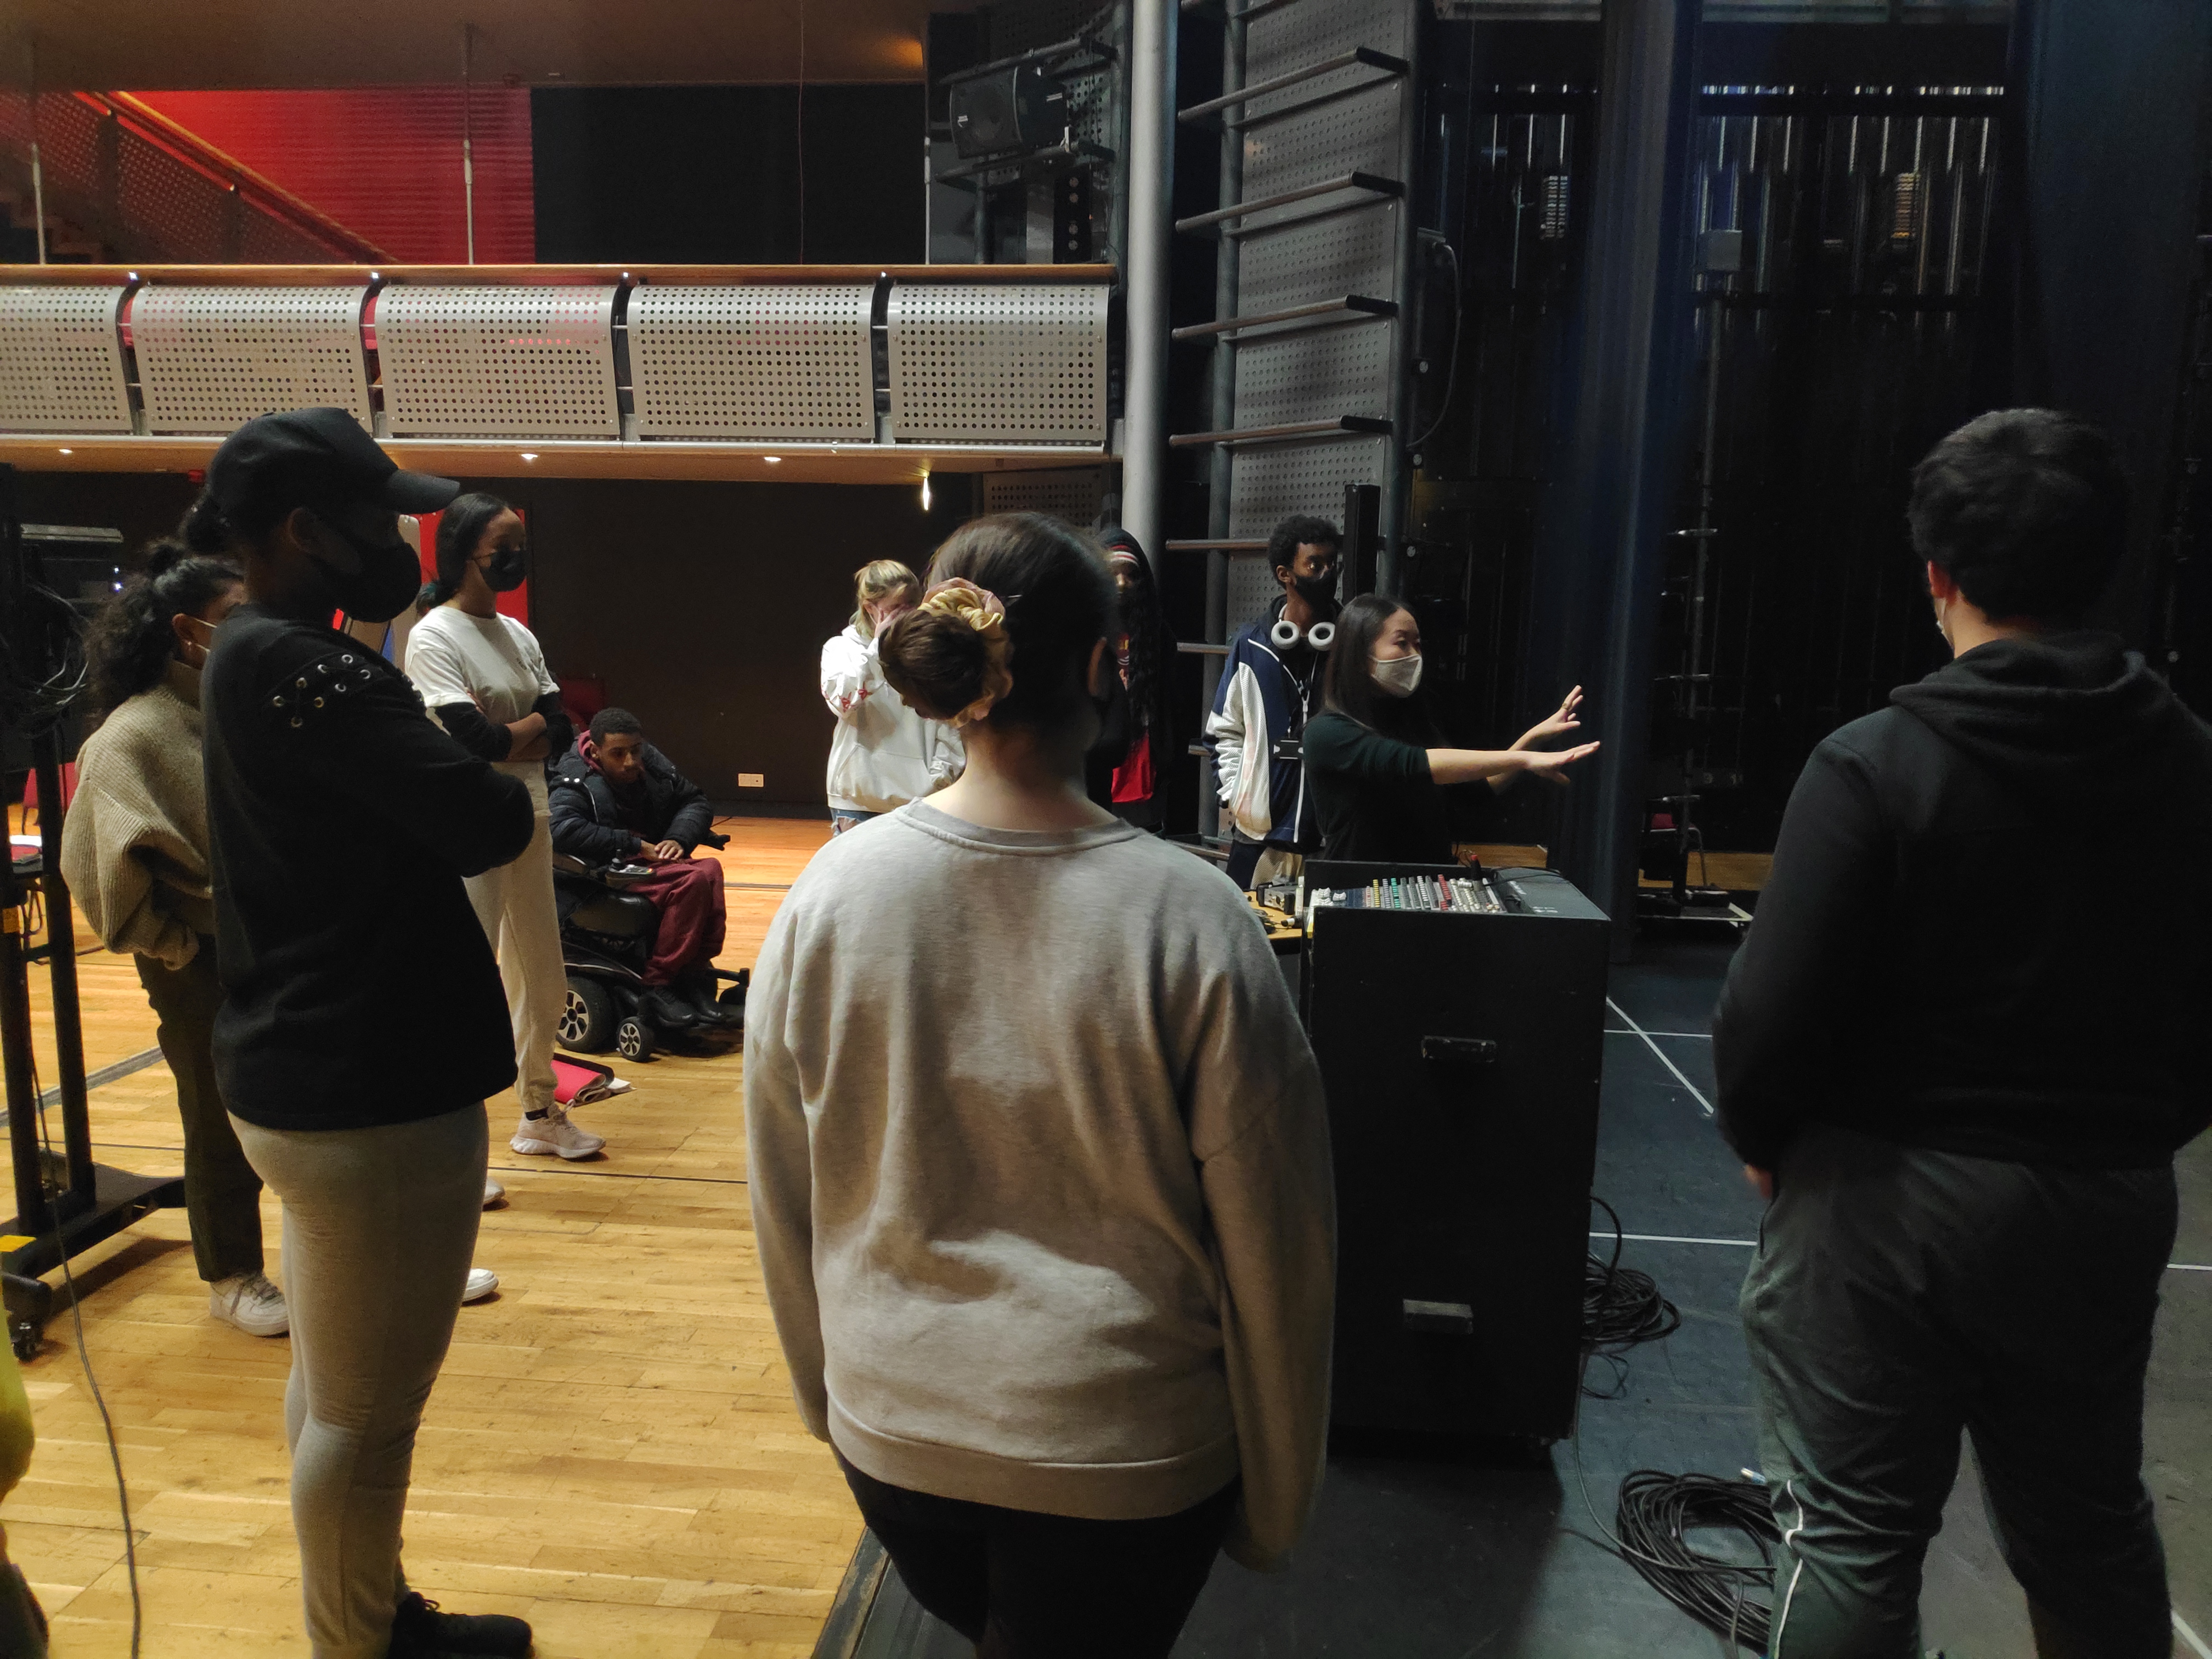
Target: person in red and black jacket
point(1136, 740)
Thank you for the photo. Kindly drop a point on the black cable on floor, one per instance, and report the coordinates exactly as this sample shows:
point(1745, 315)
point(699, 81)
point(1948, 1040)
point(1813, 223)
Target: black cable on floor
point(1621, 1308)
point(84, 1360)
point(1735, 1599)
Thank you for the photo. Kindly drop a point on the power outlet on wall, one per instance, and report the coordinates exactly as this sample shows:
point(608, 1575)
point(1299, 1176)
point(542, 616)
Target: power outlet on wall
point(752, 780)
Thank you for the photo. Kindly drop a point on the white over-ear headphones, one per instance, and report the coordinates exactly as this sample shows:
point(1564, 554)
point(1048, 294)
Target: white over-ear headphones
point(1286, 634)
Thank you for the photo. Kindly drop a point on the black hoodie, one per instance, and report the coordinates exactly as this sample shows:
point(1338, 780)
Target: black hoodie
point(1989, 928)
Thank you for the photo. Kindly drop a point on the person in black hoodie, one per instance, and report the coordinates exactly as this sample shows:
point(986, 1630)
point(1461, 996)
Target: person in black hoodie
point(1958, 1051)
point(363, 1023)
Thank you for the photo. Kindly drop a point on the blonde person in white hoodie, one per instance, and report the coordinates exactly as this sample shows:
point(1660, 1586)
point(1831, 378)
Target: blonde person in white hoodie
point(883, 754)
point(1039, 1172)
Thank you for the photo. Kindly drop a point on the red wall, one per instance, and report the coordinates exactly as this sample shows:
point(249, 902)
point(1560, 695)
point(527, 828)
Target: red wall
point(384, 161)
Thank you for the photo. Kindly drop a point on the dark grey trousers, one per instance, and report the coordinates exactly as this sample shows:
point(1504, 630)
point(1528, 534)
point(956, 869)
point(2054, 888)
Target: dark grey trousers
point(1900, 1297)
point(222, 1195)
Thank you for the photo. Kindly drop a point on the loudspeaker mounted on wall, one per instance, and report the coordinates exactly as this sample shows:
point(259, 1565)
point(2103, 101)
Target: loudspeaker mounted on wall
point(1021, 108)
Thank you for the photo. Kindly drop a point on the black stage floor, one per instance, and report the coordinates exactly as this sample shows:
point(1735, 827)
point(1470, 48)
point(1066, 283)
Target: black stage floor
point(1424, 1560)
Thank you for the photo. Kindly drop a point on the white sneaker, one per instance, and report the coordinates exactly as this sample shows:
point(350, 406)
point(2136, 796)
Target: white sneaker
point(482, 1281)
point(250, 1302)
point(494, 1192)
point(554, 1135)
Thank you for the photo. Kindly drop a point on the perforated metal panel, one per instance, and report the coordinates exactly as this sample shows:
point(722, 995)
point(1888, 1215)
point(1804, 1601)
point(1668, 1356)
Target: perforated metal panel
point(61, 361)
point(1315, 376)
point(1269, 483)
point(1252, 589)
point(1358, 135)
point(785, 361)
point(1074, 496)
point(498, 363)
point(1320, 258)
point(211, 358)
point(1292, 37)
point(998, 363)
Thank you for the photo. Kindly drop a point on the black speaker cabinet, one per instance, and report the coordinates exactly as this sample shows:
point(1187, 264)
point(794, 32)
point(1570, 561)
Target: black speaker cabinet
point(1461, 1055)
point(1020, 108)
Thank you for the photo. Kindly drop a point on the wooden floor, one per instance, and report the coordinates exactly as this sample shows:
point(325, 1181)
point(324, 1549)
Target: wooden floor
point(612, 1451)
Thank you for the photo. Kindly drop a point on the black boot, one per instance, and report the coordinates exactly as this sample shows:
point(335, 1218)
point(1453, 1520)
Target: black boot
point(419, 1629)
point(700, 983)
point(662, 1005)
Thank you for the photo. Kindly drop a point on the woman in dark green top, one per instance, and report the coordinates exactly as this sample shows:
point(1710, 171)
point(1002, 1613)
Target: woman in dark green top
point(1375, 759)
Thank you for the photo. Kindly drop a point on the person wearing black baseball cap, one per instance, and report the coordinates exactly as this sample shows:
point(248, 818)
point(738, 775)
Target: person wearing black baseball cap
point(364, 1022)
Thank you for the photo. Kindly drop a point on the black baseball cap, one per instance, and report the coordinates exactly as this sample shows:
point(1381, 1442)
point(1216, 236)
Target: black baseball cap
point(312, 457)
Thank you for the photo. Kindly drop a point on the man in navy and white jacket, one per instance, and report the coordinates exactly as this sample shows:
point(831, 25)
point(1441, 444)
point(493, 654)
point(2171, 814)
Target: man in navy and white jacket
point(1268, 691)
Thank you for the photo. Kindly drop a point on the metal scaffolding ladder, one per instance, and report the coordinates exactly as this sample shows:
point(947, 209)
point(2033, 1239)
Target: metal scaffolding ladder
point(1318, 118)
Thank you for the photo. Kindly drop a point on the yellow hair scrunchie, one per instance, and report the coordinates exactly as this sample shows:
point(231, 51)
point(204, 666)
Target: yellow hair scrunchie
point(961, 600)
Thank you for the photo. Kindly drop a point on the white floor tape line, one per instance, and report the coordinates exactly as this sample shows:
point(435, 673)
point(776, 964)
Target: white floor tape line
point(2181, 1629)
point(1753, 1244)
point(1704, 1105)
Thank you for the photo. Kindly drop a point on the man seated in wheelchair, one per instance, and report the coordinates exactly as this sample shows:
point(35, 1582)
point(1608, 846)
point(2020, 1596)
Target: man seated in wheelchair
point(616, 799)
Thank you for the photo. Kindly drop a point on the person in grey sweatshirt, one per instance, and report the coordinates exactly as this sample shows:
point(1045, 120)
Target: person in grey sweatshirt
point(1039, 1167)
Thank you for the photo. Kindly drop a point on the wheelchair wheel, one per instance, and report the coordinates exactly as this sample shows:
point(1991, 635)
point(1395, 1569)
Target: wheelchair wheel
point(587, 1018)
point(634, 1039)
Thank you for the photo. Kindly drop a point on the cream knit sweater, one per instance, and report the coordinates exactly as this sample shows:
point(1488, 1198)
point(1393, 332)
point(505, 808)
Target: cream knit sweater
point(134, 846)
point(1040, 1175)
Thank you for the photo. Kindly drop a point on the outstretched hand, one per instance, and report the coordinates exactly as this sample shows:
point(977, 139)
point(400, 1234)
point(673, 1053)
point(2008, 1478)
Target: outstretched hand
point(1568, 718)
point(1551, 764)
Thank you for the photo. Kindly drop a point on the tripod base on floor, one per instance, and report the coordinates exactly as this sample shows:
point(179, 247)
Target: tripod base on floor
point(118, 1199)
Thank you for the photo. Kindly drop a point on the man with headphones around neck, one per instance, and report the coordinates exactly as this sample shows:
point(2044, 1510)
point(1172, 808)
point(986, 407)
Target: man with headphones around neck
point(1270, 686)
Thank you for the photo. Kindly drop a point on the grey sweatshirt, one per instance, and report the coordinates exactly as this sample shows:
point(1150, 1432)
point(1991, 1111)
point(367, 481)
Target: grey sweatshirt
point(1040, 1175)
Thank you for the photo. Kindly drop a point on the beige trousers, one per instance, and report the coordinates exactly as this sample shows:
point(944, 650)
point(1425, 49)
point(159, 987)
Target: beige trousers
point(515, 902)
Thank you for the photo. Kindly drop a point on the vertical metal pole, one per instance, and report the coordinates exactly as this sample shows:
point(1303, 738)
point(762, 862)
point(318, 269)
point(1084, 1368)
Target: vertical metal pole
point(61, 968)
point(22, 1098)
point(1151, 198)
point(468, 134)
point(38, 170)
point(1397, 448)
point(1221, 464)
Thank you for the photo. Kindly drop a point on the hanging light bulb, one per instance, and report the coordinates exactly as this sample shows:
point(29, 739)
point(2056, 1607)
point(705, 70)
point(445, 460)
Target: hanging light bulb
point(924, 492)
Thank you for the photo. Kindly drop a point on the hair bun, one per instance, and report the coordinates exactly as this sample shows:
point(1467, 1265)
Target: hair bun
point(204, 529)
point(937, 662)
point(165, 554)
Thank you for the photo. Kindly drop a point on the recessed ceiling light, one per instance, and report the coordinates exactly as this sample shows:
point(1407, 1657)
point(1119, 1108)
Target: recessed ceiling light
point(529, 454)
point(772, 461)
point(68, 451)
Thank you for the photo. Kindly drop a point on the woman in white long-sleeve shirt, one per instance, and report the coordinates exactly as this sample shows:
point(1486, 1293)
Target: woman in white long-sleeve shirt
point(883, 754)
point(1040, 1177)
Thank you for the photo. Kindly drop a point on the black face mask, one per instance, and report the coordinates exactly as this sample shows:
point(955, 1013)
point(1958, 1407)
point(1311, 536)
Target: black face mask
point(1318, 590)
point(505, 570)
point(389, 578)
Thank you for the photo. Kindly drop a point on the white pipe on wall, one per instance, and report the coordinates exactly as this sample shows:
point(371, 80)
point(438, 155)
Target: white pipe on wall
point(1151, 198)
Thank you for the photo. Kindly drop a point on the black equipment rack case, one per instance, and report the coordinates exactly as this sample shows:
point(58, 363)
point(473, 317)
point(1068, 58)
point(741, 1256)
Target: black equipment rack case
point(1462, 1054)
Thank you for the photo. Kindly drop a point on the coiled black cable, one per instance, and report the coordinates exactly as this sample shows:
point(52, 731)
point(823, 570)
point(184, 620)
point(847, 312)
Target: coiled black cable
point(1735, 1599)
point(1621, 1308)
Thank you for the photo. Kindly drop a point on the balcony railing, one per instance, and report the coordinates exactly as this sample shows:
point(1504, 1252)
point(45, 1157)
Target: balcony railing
point(154, 191)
